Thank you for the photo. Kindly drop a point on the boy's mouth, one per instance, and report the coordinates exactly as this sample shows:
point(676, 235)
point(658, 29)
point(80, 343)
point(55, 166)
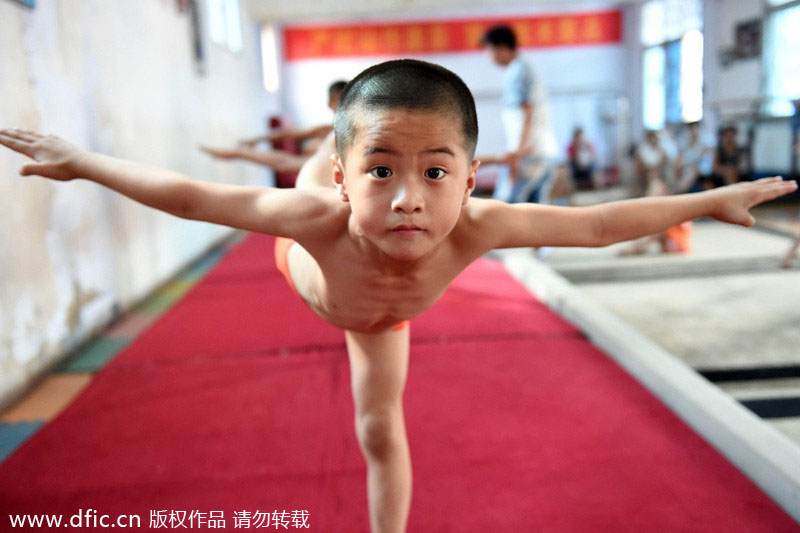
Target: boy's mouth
point(406, 228)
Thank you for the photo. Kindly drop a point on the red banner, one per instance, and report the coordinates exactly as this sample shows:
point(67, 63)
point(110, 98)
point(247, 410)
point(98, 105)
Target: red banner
point(445, 36)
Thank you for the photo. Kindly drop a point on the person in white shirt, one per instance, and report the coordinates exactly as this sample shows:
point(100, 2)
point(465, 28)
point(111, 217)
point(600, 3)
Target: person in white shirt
point(530, 141)
point(694, 160)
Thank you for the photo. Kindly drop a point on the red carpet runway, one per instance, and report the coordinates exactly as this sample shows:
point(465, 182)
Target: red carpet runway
point(237, 401)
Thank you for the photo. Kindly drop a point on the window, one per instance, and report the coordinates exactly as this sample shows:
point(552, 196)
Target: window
point(654, 88)
point(224, 24)
point(672, 63)
point(269, 59)
point(781, 60)
point(672, 89)
point(691, 87)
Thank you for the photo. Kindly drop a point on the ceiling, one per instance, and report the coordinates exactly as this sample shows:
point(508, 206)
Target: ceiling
point(327, 10)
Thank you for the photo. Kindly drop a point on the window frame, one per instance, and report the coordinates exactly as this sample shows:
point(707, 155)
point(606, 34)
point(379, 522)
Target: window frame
point(665, 45)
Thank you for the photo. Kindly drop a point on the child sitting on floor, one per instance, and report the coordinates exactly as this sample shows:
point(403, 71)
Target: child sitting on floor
point(379, 229)
point(673, 240)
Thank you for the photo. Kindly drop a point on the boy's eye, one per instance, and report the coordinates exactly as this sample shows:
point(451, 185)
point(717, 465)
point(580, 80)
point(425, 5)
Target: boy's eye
point(434, 173)
point(381, 172)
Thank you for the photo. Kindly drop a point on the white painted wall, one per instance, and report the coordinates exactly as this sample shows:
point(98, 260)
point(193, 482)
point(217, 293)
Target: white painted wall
point(733, 90)
point(729, 91)
point(735, 85)
point(119, 78)
point(583, 82)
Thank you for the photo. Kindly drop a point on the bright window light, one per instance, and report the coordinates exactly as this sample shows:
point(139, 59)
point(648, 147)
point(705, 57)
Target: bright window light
point(668, 20)
point(781, 60)
point(233, 23)
point(654, 97)
point(691, 91)
point(216, 21)
point(225, 24)
point(269, 58)
point(672, 62)
point(653, 22)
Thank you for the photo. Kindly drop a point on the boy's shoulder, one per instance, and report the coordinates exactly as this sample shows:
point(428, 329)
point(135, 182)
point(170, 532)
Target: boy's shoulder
point(317, 213)
point(477, 219)
point(324, 203)
point(478, 208)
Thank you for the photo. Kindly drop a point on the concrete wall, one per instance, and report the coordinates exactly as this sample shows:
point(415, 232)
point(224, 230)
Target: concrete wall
point(119, 78)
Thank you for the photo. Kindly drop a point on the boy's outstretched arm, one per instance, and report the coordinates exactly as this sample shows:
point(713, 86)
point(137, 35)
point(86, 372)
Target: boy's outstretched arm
point(284, 212)
point(522, 225)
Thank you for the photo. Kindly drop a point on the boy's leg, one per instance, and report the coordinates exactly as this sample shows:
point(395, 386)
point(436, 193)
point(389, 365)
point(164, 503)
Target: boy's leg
point(378, 369)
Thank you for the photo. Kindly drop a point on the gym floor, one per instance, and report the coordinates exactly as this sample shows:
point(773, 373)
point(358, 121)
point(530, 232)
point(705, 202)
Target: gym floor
point(728, 309)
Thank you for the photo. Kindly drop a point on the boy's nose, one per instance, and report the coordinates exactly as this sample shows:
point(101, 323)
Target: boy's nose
point(408, 199)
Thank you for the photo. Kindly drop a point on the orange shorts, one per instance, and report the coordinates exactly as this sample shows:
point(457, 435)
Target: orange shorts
point(282, 245)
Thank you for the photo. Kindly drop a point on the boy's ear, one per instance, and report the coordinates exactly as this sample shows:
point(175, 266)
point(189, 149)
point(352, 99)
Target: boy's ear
point(473, 170)
point(338, 177)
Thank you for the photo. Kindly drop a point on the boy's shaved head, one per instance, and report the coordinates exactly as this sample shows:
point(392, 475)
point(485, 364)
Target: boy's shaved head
point(405, 84)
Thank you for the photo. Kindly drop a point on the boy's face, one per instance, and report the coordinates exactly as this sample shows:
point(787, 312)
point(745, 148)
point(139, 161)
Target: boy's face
point(500, 54)
point(406, 176)
point(333, 101)
point(729, 136)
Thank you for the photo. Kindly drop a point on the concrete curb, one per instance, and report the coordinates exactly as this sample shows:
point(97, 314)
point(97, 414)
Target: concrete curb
point(769, 458)
point(607, 271)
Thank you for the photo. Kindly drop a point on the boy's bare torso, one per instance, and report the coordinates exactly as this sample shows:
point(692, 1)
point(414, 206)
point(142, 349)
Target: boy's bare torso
point(349, 284)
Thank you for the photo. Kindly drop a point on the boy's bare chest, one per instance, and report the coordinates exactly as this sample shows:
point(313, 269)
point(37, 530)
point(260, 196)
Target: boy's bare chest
point(369, 287)
point(354, 293)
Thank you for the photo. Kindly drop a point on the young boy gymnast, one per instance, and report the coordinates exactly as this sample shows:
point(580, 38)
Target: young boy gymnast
point(375, 232)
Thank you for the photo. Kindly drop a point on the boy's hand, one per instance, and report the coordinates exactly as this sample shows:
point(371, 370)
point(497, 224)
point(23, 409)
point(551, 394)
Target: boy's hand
point(54, 156)
point(734, 201)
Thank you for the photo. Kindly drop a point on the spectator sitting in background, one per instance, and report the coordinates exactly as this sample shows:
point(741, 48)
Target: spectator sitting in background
point(581, 159)
point(674, 240)
point(730, 160)
point(694, 161)
point(651, 163)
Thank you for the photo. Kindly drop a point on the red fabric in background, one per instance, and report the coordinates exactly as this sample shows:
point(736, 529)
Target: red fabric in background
point(516, 423)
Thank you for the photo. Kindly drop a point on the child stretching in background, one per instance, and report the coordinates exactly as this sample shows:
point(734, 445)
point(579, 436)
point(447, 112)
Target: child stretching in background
point(382, 244)
point(279, 160)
